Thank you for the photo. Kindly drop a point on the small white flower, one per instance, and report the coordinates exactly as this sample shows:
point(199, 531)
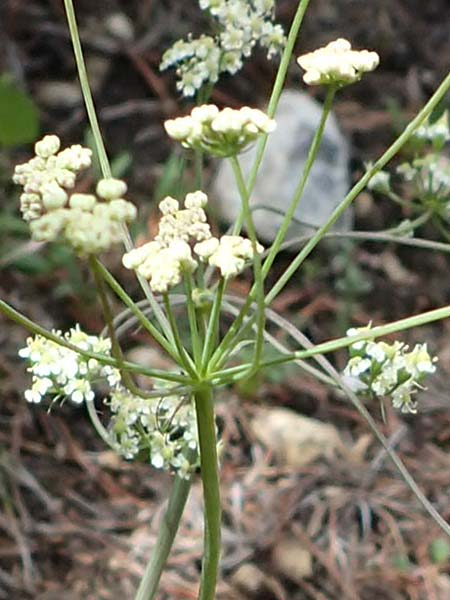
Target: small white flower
point(48, 146)
point(169, 206)
point(111, 189)
point(229, 254)
point(388, 369)
point(221, 133)
point(64, 372)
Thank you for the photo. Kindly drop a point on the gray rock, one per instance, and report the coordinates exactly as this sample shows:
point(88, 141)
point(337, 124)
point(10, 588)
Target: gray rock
point(297, 118)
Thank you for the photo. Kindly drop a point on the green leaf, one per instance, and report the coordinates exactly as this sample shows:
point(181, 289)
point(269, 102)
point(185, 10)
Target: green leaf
point(439, 551)
point(19, 120)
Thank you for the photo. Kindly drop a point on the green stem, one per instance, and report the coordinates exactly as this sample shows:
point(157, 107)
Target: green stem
point(129, 302)
point(166, 535)
point(198, 159)
point(256, 290)
point(257, 269)
point(312, 154)
point(278, 86)
point(186, 360)
point(234, 330)
point(86, 90)
point(213, 325)
point(101, 151)
point(36, 329)
point(192, 317)
point(98, 425)
point(344, 342)
point(116, 350)
point(204, 406)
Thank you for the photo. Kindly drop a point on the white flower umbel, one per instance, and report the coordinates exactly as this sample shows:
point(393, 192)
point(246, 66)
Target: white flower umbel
point(164, 260)
point(162, 430)
point(64, 373)
point(229, 254)
point(436, 133)
point(337, 64)
point(90, 224)
point(381, 369)
point(430, 180)
point(241, 25)
point(221, 133)
point(183, 238)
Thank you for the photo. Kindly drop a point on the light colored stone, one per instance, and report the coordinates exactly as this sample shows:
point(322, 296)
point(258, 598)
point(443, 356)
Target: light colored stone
point(297, 118)
point(291, 560)
point(295, 440)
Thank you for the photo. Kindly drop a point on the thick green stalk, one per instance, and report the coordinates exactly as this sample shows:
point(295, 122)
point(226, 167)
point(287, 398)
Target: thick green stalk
point(204, 406)
point(167, 531)
point(257, 269)
point(101, 151)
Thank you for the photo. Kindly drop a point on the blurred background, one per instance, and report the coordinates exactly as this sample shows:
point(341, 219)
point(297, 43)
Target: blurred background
point(313, 508)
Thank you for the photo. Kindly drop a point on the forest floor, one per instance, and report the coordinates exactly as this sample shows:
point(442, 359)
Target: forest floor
point(77, 522)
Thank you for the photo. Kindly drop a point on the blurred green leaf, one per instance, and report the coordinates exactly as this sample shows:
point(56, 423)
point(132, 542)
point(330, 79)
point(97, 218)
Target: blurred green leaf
point(439, 551)
point(401, 562)
point(171, 181)
point(19, 120)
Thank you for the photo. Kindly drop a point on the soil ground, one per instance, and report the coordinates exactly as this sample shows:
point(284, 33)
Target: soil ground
point(78, 523)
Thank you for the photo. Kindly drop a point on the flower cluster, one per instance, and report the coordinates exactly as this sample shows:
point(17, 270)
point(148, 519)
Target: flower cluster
point(430, 180)
point(241, 25)
point(184, 236)
point(229, 253)
point(221, 133)
point(337, 64)
point(381, 369)
point(63, 372)
point(89, 223)
point(162, 429)
point(436, 133)
point(163, 260)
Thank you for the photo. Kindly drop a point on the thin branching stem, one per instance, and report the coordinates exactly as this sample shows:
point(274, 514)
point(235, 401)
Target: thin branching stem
point(143, 320)
point(343, 342)
point(257, 268)
point(101, 151)
point(36, 329)
point(185, 358)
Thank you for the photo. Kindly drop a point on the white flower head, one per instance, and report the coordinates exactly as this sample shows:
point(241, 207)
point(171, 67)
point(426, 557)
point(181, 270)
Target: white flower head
point(229, 253)
point(220, 133)
point(164, 429)
point(63, 372)
point(89, 224)
point(382, 369)
point(240, 25)
point(337, 64)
